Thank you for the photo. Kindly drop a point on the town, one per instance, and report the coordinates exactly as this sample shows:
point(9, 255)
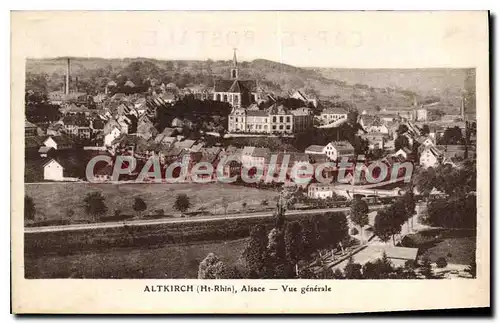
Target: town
point(253, 123)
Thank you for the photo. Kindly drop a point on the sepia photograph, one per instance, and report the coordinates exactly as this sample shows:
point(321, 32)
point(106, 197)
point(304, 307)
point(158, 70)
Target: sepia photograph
point(247, 162)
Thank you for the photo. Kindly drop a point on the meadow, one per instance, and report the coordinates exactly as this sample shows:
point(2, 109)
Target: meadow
point(168, 261)
point(61, 201)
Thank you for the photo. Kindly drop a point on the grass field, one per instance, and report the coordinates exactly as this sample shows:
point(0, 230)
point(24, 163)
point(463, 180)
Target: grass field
point(460, 250)
point(59, 200)
point(169, 261)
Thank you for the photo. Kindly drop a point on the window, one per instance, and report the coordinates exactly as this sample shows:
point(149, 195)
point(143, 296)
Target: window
point(287, 119)
point(288, 127)
point(225, 98)
point(274, 119)
point(281, 126)
point(281, 119)
point(274, 127)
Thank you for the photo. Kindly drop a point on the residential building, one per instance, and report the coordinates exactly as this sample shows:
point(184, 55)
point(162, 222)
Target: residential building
point(331, 115)
point(302, 119)
point(320, 191)
point(430, 156)
point(58, 142)
point(375, 140)
point(111, 135)
point(307, 99)
point(52, 170)
point(315, 150)
point(338, 150)
point(30, 129)
point(281, 119)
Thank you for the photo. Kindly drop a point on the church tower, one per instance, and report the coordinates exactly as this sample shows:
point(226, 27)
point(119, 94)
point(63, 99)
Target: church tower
point(234, 69)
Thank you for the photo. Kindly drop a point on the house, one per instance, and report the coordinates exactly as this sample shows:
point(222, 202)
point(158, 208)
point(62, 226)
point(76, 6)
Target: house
point(375, 140)
point(30, 129)
point(396, 254)
point(302, 119)
point(55, 129)
point(338, 150)
point(315, 150)
point(403, 152)
point(184, 145)
point(307, 99)
point(111, 136)
point(430, 156)
point(61, 142)
point(52, 170)
point(146, 129)
point(320, 191)
point(44, 151)
point(330, 115)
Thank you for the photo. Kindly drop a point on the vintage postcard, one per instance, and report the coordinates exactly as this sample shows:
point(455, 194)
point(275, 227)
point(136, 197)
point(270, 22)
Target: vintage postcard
point(304, 162)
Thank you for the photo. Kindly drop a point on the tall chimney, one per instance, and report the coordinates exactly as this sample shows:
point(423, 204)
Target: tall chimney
point(67, 77)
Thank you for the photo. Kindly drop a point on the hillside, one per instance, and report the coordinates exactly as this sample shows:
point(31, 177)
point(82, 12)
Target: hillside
point(366, 88)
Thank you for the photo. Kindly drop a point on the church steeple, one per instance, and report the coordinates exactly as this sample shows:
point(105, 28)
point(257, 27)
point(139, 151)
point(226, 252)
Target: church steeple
point(234, 69)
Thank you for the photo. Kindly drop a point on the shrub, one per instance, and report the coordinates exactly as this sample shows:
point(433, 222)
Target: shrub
point(441, 262)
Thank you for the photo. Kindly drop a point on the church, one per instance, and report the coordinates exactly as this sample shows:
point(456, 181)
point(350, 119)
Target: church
point(238, 93)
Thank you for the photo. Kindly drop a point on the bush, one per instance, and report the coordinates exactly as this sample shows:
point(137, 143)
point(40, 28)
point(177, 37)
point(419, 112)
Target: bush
point(441, 262)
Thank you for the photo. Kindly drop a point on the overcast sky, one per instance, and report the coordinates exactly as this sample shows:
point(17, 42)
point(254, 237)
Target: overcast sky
point(327, 39)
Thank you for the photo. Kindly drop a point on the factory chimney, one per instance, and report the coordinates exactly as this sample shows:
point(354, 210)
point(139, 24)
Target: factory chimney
point(67, 77)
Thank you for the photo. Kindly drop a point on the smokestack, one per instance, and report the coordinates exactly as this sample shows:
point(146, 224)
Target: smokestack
point(67, 77)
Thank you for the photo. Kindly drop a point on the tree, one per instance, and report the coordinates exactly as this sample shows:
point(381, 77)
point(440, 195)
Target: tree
point(400, 142)
point(29, 208)
point(255, 253)
point(94, 204)
point(441, 262)
point(424, 180)
point(293, 243)
point(139, 205)
point(425, 130)
point(337, 274)
point(409, 202)
point(277, 254)
point(225, 205)
point(211, 268)
point(352, 270)
point(389, 220)
point(359, 213)
point(264, 202)
point(244, 204)
point(426, 268)
point(182, 203)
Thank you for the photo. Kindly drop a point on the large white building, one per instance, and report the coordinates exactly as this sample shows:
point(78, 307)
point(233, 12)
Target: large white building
point(275, 120)
point(331, 115)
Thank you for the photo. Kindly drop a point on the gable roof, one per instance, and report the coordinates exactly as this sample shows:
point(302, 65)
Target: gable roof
point(235, 86)
point(27, 124)
point(315, 148)
point(334, 110)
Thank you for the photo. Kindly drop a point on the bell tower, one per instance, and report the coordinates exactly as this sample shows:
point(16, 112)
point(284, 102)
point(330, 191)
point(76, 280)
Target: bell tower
point(234, 69)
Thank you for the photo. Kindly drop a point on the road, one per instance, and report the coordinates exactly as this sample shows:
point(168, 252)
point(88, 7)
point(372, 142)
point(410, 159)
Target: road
point(141, 222)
